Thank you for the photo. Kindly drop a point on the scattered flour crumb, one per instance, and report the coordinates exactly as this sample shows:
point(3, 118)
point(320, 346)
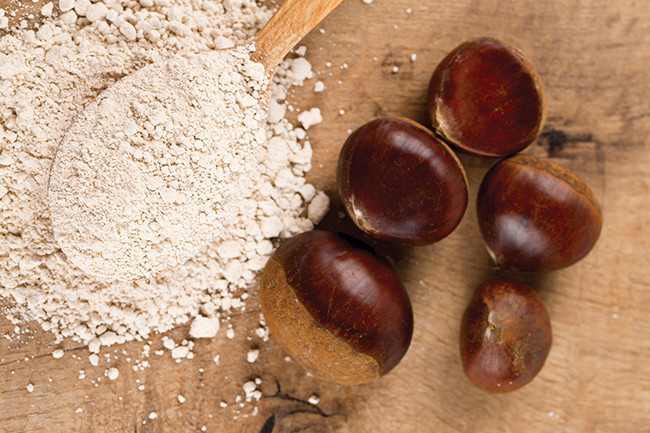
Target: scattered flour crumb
point(314, 399)
point(249, 387)
point(310, 118)
point(153, 415)
point(300, 70)
point(113, 373)
point(180, 352)
point(252, 355)
point(168, 343)
point(94, 345)
point(58, 353)
point(204, 327)
point(251, 392)
point(30, 387)
point(318, 207)
point(319, 86)
point(263, 333)
point(181, 399)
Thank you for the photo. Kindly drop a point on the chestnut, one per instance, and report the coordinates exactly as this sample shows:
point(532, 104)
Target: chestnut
point(505, 335)
point(336, 307)
point(401, 184)
point(536, 215)
point(486, 98)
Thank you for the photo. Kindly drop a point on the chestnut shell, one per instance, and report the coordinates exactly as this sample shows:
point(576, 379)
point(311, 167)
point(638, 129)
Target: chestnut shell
point(487, 99)
point(401, 184)
point(336, 307)
point(505, 335)
point(536, 215)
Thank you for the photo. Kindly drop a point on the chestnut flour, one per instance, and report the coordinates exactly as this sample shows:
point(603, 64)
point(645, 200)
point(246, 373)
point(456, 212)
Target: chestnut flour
point(48, 76)
point(159, 164)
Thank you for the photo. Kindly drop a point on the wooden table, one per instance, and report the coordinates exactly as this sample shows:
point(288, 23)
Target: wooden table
point(594, 60)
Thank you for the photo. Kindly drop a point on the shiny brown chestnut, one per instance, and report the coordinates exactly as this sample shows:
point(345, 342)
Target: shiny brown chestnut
point(505, 335)
point(401, 184)
point(487, 99)
point(336, 307)
point(536, 215)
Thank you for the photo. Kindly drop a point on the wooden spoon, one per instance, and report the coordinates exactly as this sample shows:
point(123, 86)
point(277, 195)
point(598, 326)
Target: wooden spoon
point(287, 27)
point(153, 170)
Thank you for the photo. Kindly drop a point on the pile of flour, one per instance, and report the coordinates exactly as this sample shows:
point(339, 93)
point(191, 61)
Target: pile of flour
point(48, 77)
point(159, 164)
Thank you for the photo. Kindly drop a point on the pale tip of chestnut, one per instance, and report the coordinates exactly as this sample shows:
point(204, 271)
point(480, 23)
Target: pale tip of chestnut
point(505, 335)
point(493, 257)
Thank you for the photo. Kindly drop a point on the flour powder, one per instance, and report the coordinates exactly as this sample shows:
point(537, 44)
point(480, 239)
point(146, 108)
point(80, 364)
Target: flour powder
point(50, 75)
point(159, 164)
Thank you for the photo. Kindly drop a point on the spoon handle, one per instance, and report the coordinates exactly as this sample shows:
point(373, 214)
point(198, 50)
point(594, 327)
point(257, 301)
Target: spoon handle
point(287, 26)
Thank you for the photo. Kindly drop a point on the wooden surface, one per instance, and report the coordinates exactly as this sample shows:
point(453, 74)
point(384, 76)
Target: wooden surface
point(593, 58)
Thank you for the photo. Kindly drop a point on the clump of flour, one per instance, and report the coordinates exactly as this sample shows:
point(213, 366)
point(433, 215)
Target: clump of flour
point(159, 164)
point(48, 77)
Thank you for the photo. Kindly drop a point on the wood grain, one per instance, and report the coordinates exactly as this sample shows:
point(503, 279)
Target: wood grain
point(593, 58)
